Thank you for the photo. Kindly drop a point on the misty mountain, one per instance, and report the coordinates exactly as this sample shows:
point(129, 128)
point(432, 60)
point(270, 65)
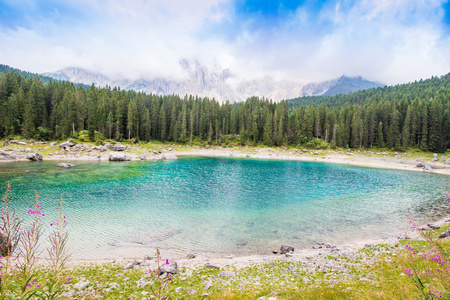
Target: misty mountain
point(221, 84)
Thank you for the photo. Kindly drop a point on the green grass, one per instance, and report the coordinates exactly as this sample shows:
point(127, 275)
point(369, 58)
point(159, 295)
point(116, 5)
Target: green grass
point(372, 273)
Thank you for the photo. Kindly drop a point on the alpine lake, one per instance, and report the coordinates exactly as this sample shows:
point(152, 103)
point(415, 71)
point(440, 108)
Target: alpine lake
point(221, 206)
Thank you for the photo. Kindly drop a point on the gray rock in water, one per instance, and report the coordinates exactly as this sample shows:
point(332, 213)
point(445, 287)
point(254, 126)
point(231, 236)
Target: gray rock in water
point(286, 249)
point(5, 143)
point(119, 157)
point(116, 147)
point(65, 165)
point(35, 156)
point(170, 268)
point(67, 144)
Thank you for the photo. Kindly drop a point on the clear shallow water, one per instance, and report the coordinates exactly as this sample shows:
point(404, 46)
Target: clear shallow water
point(222, 205)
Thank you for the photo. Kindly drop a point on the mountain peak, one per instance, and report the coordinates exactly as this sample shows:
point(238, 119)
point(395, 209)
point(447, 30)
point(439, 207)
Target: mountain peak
point(219, 83)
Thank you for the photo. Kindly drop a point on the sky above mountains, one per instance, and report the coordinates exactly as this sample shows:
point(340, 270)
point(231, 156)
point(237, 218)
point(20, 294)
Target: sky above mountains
point(382, 40)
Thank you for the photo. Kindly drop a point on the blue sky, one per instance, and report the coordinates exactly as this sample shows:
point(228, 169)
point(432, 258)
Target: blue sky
point(384, 40)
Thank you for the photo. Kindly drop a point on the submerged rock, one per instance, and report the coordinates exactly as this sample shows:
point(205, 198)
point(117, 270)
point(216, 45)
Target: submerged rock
point(65, 165)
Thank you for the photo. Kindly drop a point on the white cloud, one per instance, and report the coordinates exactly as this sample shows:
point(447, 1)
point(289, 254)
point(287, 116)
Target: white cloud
point(387, 41)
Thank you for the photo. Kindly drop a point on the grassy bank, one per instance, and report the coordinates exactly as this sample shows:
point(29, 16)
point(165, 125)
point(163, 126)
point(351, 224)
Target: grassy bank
point(374, 272)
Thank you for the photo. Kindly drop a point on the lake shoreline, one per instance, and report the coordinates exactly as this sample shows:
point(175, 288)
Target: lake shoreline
point(397, 161)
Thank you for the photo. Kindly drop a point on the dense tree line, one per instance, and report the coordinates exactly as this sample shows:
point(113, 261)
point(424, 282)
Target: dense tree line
point(411, 115)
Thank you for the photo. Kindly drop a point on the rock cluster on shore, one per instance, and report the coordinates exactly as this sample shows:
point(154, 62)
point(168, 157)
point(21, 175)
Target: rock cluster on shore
point(73, 151)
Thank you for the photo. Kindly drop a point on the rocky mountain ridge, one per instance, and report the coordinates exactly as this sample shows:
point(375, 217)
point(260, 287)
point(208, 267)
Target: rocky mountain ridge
point(218, 83)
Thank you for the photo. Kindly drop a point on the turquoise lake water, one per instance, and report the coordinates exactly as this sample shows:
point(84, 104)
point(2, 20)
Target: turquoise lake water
point(222, 205)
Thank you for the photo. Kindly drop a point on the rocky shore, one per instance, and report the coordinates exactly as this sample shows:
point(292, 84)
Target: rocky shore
point(23, 150)
point(37, 151)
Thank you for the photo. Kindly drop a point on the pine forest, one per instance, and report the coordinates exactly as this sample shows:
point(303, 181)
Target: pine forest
point(395, 117)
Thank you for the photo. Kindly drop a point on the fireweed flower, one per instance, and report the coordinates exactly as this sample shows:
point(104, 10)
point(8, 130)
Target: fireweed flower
point(167, 261)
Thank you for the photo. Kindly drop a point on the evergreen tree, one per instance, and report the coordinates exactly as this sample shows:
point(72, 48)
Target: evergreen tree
point(268, 129)
point(162, 123)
